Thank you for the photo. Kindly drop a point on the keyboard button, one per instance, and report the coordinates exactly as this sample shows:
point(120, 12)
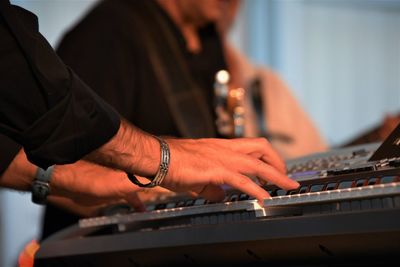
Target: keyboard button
point(234, 198)
point(303, 189)
point(150, 207)
point(161, 206)
point(180, 204)
point(373, 181)
point(388, 179)
point(360, 182)
point(189, 203)
point(331, 186)
point(199, 201)
point(243, 197)
point(345, 184)
point(171, 205)
point(280, 192)
point(316, 188)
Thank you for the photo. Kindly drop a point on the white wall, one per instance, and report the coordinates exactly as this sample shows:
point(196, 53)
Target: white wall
point(340, 57)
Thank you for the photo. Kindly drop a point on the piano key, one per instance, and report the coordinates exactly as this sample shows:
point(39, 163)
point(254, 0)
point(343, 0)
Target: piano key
point(311, 198)
point(234, 197)
point(312, 209)
point(345, 206)
point(180, 203)
point(387, 203)
point(243, 197)
point(161, 206)
point(316, 188)
point(372, 181)
point(213, 219)
point(376, 203)
point(360, 182)
point(355, 205)
point(388, 179)
point(331, 186)
point(221, 218)
point(326, 208)
point(189, 203)
point(171, 205)
point(150, 207)
point(199, 201)
point(345, 184)
point(303, 189)
point(280, 192)
point(396, 201)
point(366, 204)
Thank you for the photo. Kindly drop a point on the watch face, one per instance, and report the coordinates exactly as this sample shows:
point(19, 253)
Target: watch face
point(40, 191)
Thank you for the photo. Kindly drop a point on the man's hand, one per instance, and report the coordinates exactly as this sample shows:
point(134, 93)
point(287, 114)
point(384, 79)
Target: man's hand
point(89, 184)
point(203, 166)
point(83, 184)
point(199, 166)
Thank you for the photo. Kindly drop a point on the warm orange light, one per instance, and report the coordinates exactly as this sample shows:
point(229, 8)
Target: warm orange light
point(27, 256)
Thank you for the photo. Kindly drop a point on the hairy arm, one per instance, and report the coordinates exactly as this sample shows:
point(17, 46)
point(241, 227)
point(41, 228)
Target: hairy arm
point(199, 166)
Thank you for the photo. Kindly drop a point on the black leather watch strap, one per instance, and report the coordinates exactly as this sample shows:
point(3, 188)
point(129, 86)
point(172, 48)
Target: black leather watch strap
point(41, 185)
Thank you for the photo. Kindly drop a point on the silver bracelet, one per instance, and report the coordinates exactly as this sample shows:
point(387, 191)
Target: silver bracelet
point(162, 171)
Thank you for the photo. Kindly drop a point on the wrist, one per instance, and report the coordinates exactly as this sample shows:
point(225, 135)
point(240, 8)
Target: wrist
point(41, 185)
point(19, 174)
point(130, 150)
point(162, 170)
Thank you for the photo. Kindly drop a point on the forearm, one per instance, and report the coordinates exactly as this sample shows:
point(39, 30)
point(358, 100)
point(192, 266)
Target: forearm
point(45, 107)
point(19, 174)
point(130, 150)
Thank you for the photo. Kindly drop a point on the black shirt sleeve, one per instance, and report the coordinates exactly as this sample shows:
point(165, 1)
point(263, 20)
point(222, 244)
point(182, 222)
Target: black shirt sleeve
point(9, 150)
point(44, 106)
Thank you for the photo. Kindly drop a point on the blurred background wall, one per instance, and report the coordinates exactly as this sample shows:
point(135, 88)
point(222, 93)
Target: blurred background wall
point(341, 58)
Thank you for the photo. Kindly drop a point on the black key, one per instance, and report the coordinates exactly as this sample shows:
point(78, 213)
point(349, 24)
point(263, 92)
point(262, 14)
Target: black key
point(345, 206)
point(243, 197)
point(360, 182)
point(234, 198)
point(171, 205)
point(387, 202)
point(373, 181)
point(330, 186)
point(161, 206)
point(316, 188)
point(345, 184)
point(180, 204)
point(396, 201)
point(365, 204)
point(388, 179)
point(199, 201)
point(355, 205)
point(213, 219)
point(280, 192)
point(303, 189)
point(376, 203)
point(189, 203)
point(150, 207)
point(326, 208)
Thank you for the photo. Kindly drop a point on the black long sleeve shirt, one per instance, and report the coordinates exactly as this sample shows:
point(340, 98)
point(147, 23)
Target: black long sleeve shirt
point(44, 106)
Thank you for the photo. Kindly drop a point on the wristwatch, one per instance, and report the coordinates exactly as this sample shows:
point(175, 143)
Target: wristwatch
point(41, 185)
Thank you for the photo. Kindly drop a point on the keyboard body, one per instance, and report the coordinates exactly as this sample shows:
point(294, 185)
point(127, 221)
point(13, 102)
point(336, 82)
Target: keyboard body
point(346, 213)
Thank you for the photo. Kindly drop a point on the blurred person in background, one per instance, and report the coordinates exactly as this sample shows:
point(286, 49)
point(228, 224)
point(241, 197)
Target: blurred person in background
point(154, 62)
point(58, 120)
